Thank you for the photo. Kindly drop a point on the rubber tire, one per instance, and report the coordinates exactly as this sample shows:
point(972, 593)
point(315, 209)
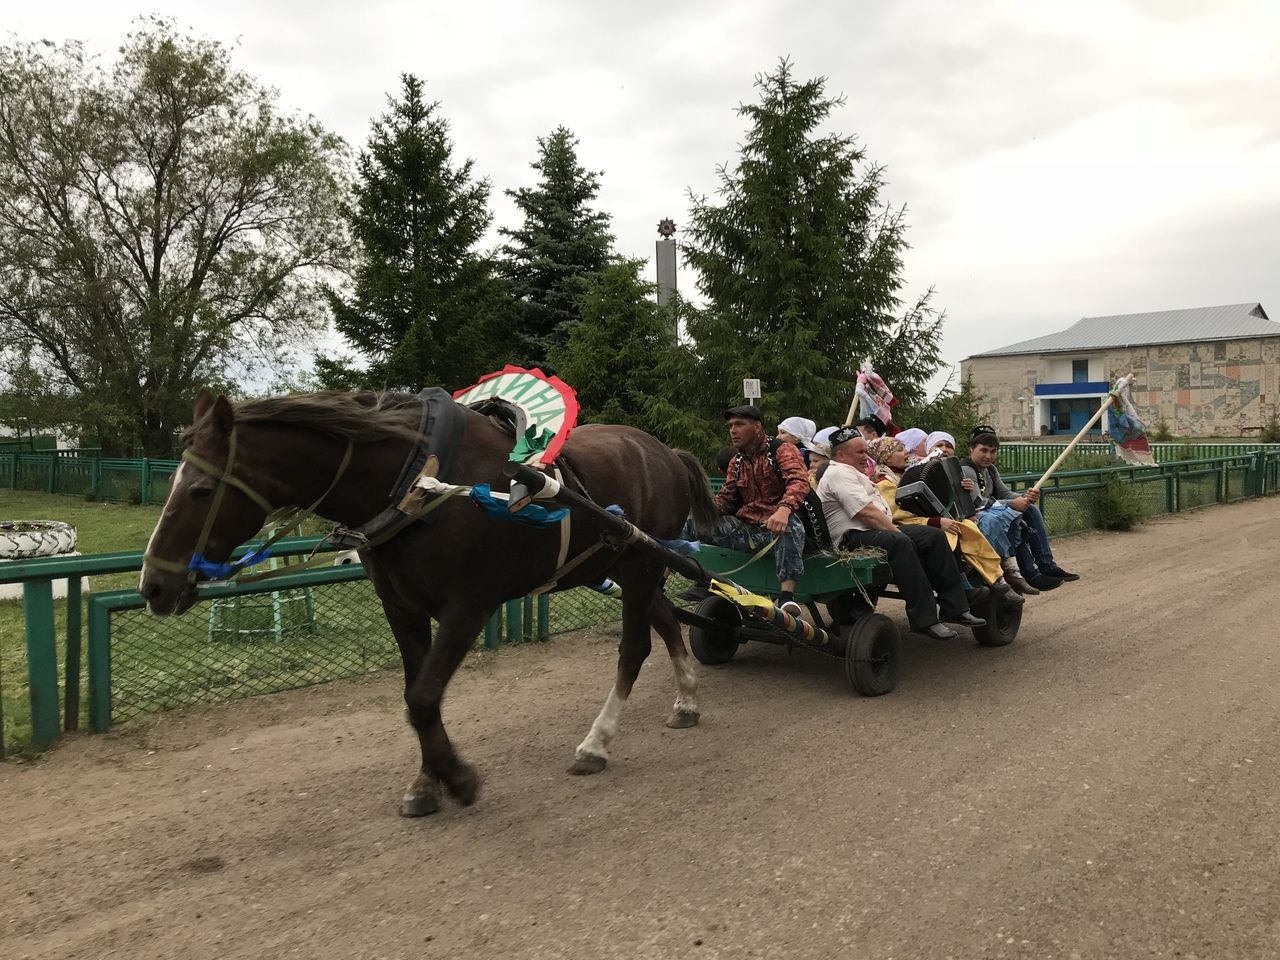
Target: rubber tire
point(714, 647)
point(1003, 620)
point(873, 652)
point(50, 538)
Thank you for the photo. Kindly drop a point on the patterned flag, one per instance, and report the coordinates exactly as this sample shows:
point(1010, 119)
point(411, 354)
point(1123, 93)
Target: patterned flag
point(875, 399)
point(1125, 427)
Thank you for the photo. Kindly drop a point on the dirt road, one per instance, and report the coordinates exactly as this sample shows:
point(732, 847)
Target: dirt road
point(1105, 787)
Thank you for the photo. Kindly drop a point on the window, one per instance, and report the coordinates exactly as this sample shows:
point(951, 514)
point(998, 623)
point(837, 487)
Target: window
point(1220, 351)
point(1080, 371)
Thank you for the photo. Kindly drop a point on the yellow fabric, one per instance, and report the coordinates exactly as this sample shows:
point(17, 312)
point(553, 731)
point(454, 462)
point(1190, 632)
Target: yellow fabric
point(974, 547)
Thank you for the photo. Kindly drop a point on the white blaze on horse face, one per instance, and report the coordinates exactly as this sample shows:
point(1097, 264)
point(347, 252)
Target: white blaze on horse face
point(175, 485)
point(686, 685)
point(604, 729)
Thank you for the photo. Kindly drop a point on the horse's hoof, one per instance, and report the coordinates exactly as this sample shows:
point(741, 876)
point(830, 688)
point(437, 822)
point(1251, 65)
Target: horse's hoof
point(419, 805)
point(465, 786)
point(680, 719)
point(588, 764)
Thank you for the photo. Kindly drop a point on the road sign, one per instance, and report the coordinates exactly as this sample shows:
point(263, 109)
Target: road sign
point(751, 389)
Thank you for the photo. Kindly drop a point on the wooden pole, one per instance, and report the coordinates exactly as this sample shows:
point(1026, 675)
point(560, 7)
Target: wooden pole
point(848, 421)
point(1072, 445)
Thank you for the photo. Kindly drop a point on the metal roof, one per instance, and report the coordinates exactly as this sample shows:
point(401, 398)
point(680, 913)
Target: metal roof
point(1235, 321)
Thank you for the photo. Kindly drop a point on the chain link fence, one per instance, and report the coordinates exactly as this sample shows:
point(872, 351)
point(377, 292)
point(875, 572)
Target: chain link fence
point(241, 646)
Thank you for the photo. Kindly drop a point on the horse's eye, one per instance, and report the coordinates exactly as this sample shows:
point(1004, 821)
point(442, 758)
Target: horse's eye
point(200, 493)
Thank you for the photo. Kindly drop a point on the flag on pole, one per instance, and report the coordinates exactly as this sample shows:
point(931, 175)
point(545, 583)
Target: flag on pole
point(874, 397)
point(1126, 428)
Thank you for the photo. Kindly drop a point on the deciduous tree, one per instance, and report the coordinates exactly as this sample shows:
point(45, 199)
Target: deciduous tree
point(162, 223)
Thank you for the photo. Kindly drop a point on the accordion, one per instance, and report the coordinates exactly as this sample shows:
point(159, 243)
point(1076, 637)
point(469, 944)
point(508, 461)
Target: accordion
point(932, 489)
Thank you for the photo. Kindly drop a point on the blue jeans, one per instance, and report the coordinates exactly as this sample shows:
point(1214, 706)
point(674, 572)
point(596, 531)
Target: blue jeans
point(1034, 552)
point(788, 555)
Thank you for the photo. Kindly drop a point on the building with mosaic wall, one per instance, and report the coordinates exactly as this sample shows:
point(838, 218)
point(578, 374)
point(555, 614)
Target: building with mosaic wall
point(1205, 372)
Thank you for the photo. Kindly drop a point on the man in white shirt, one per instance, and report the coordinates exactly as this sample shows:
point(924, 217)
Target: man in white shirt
point(919, 555)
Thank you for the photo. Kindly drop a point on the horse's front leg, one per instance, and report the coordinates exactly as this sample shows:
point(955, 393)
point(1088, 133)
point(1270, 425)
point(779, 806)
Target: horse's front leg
point(440, 763)
point(412, 631)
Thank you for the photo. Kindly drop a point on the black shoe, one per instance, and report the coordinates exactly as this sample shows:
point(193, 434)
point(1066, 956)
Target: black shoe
point(938, 631)
point(1044, 582)
point(967, 619)
point(976, 596)
point(1057, 571)
point(694, 593)
point(1021, 586)
point(1007, 593)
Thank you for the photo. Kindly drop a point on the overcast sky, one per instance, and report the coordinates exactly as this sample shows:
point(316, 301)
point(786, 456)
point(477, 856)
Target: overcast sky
point(1056, 160)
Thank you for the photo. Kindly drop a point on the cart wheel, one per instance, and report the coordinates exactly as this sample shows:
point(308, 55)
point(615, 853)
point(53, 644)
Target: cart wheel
point(717, 644)
point(1003, 620)
point(871, 655)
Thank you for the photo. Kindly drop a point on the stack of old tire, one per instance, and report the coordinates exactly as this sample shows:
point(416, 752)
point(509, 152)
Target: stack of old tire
point(30, 540)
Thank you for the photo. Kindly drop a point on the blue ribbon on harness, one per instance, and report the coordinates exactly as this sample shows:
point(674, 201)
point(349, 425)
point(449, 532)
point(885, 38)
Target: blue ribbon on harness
point(532, 515)
point(224, 571)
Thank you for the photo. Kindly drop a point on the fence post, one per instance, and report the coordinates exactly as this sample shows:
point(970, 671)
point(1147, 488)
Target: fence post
point(53, 474)
point(1259, 485)
point(493, 630)
point(146, 482)
point(515, 620)
point(544, 617)
point(95, 476)
point(42, 661)
point(99, 666)
point(71, 689)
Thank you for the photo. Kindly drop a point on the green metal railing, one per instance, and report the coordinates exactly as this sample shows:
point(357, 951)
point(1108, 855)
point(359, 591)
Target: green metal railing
point(1016, 457)
point(83, 473)
point(138, 663)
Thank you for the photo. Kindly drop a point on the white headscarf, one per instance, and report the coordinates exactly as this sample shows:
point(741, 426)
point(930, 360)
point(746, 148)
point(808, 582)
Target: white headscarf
point(933, 439)
point(821, 442)
point(799, 427)
point(911, 439)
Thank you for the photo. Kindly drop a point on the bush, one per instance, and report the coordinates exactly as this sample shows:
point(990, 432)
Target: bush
point(1117, 506)
point(1271, 431)
point(1161, 432)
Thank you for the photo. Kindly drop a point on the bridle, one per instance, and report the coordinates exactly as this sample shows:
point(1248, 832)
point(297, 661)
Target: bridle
point(285, 521)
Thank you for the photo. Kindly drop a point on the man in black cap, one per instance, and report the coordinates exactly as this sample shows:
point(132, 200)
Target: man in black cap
point(764, 488)
point(871, 427)
point(920, 556)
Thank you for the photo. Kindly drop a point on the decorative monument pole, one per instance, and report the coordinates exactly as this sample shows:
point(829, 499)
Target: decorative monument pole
point(665, 258)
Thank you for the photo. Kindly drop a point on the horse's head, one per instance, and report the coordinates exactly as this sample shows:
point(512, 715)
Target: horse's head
point(212, 508)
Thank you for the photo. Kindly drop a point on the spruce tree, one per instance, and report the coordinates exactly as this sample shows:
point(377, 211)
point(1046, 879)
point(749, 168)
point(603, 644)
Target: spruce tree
point(617, 358)
point(800, 263)
point(561, 247)
point(425, 303)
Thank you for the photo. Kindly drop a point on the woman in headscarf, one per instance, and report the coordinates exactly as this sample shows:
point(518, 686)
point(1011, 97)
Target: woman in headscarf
point(939, 444)
point(912, 440)
point(978, 555)
point(800, 431)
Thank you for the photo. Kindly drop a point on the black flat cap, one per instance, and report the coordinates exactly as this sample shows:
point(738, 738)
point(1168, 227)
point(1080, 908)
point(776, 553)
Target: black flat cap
point(874, 422)
point(746, 412)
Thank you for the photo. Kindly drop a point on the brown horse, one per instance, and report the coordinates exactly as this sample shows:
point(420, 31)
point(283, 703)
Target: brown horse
point(243, 460)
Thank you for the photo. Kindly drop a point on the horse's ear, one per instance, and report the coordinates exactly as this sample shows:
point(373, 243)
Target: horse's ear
point(204, 400)
point(223, 416)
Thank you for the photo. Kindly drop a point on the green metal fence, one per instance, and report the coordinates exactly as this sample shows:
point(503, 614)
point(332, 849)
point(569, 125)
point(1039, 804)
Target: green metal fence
point(1018, 457)
point(82, 473)
point(325, 623)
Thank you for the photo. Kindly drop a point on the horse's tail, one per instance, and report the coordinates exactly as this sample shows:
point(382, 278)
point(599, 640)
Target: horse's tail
point(704, 513)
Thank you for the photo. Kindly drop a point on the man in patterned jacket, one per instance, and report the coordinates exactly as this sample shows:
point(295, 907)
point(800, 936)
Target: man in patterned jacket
point(764, 490)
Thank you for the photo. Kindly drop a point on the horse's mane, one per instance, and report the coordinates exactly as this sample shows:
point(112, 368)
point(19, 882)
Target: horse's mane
point(360, 416)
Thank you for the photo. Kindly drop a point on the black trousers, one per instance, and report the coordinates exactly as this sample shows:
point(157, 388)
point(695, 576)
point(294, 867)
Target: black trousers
point(922, 564)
